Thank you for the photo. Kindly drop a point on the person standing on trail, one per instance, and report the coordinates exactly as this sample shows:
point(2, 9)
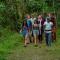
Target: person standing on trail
point(25, 32)
point(35, 32)
point(32, 21)
point(40, 23)
point(29, 24)
point(48, 31)
point(53, 20)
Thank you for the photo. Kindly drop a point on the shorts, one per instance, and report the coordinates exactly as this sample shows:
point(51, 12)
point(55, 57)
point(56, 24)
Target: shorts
point(25, 33)
point(35, 32)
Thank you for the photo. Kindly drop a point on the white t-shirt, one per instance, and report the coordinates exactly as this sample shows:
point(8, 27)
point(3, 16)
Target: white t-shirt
point(39, 20)
point(48, 26)
point(32, 20)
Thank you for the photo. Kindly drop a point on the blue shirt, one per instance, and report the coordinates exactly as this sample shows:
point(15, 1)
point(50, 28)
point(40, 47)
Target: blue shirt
point(29, 24)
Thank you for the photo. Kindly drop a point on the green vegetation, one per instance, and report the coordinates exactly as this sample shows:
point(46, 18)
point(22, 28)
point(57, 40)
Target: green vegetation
point(11, 48)
point(8, 41)
point(12, 13)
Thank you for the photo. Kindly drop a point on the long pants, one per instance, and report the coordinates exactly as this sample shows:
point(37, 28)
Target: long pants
point(53, 36)
point(40, 36)
point(48, 37)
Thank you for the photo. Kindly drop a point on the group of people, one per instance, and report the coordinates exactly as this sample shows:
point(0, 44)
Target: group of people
point(34, 29)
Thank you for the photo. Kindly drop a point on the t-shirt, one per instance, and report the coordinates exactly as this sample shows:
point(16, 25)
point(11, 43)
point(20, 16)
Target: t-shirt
point(29, 24)
point(32, 20)
point(39, 22)
point(48, 26)
point(35, 26)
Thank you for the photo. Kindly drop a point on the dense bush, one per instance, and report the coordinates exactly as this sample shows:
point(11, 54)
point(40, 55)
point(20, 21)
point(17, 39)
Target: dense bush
point(8, 16)
point(13, 11)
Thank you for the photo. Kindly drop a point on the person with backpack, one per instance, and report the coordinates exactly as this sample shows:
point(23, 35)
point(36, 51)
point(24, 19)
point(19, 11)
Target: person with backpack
point(29, 24)
point(53, 20)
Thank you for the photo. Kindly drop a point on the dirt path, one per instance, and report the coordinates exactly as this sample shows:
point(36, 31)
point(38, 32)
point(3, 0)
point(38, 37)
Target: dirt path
point(34, 53)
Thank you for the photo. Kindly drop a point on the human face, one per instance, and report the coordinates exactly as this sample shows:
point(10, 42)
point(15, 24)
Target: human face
point(40, 16)
point(28, 16)
point(49, 15)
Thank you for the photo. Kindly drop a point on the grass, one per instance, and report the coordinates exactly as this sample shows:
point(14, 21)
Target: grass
point(11, 48)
